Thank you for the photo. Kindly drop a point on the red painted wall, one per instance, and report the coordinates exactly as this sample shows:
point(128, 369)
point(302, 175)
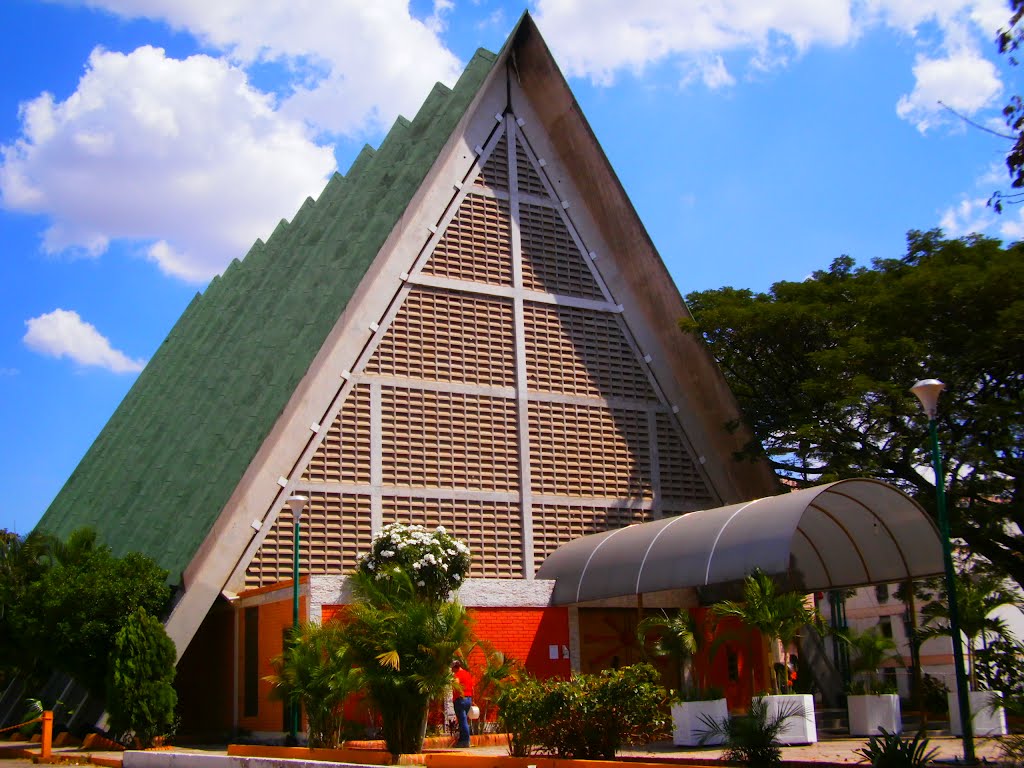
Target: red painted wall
point(738, 665)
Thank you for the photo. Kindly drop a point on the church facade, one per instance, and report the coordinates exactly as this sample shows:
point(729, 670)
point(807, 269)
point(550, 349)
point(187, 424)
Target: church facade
point(470, 329)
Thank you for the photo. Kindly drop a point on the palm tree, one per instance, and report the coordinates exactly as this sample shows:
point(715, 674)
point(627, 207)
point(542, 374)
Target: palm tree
point(870, 649)
point(404, 645)
point(779, 616)
point(497, 671)
point(978, 594)
point(314, 672)
point(680, 638)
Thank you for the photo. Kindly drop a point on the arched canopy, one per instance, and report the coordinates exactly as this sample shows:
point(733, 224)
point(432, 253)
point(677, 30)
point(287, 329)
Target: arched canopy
point(849, 533)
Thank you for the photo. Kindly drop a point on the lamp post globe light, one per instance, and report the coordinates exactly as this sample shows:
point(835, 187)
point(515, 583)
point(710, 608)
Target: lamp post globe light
point(296, 504)
point(928, 391)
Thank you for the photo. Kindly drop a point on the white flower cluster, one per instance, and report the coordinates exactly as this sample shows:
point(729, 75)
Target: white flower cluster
point(435, 560)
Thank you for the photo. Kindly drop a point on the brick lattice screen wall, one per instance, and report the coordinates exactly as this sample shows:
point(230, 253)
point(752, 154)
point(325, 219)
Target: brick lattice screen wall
point(429, 428)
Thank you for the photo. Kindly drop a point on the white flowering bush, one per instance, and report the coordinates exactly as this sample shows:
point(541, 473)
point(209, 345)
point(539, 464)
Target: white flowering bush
point(435, 562)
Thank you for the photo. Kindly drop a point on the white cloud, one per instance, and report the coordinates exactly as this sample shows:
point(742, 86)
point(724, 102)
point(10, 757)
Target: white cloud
point(600, 38)
point(714, 74)
point(62, 333)
point(996, 176)
point(909, 15)
point(371, 61)
point(966, 217)
point(964, 81)
point(185, 154)
point(1012, 228)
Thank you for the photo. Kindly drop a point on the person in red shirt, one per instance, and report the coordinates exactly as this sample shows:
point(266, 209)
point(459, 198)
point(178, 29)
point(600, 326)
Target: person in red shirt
point(462, 698)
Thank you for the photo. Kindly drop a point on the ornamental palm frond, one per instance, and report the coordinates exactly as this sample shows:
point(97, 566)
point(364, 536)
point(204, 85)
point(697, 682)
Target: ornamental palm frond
point(978, 594)
point(314, 672)
point(751, 739)
point(679, 637)
point(780, 617)
point(868, 651)
point(404, 645)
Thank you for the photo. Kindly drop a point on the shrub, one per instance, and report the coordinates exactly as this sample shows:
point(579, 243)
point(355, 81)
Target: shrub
point(140, 692)
point(1011, 746)
point(888, 750)
point(519, 707)
point(587, 717)
point(935, 694)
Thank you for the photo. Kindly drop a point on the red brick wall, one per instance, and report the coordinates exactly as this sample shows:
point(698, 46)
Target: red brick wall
point(526, 634)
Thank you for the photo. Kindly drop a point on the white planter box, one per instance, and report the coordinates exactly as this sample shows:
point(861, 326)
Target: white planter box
point(985, 721)
point(687, 725)
point(870, 714)
point(801, 727)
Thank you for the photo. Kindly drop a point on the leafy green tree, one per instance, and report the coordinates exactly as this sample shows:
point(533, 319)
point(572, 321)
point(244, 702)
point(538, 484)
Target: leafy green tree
point(140, 691)
point(23, 560)
point(778, 616)
point(72, 611)
point(821, 369)
point(1009, 40)
point(315, 673)
point(978, 594)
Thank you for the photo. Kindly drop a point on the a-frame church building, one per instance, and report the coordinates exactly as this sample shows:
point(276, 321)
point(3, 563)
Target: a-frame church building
point(469, 329)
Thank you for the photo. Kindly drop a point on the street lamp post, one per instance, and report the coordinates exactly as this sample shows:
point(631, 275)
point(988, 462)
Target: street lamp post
point(928, 391)
point(296, 504)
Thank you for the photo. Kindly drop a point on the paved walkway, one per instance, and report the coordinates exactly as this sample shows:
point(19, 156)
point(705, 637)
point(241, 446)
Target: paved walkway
point(832, 750)
point(829, 750)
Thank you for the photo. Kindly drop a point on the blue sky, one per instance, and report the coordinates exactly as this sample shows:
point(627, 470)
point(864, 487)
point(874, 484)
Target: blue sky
point(145, 143)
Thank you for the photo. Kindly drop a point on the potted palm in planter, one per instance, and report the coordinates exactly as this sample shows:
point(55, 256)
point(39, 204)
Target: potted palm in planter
point(779, 617)
point(681, 637)
point(871, 707)
point(978, 594)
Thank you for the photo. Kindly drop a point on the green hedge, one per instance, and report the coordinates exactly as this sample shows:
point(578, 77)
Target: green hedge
point(587, 717)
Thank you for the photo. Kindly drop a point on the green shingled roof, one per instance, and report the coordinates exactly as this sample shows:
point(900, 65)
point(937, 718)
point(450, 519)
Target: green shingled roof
point(164, 466)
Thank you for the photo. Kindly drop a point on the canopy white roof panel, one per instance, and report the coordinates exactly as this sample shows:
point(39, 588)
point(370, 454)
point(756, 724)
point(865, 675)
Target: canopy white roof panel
point(845, 534)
